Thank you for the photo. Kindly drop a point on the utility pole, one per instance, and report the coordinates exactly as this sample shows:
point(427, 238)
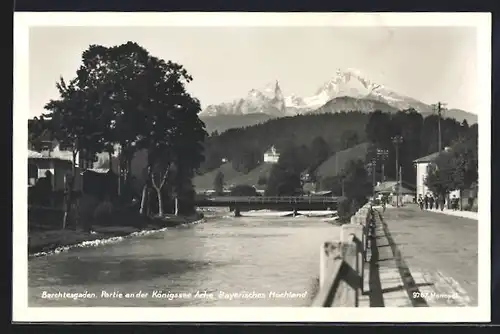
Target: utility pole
point(397, 141)
point(382, 154)
point(371, 167)
point(400, 185)
point(119, 171)
point(439, 107)
point(374, 180)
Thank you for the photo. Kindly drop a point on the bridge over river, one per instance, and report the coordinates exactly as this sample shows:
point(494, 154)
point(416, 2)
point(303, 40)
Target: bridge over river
point(290, 203)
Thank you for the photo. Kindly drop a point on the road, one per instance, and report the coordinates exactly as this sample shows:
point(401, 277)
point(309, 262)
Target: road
point(224, 262)
point(437, 254)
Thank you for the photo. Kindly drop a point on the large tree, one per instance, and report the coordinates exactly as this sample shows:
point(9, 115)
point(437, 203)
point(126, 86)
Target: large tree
point(123, 96)
point(219, 183)
point(170, 127)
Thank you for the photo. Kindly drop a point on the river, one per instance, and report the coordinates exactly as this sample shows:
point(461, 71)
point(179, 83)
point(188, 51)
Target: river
point(226, 261)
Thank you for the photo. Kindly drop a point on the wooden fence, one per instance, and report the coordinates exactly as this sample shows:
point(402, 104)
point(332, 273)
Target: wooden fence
point(342, 263)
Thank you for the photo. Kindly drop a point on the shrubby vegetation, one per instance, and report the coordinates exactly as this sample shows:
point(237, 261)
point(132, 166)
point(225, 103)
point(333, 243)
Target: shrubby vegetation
point(243, 190)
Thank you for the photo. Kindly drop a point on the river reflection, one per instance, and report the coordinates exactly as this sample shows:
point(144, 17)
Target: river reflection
point(223, 262)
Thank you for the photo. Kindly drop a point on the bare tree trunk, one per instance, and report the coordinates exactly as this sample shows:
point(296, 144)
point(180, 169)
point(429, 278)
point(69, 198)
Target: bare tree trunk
point(160, 202)
point(176, 205)
point(68, 190)
point(65, 218)
point(460, 192)
point(129, 168)
point(158, 189)
point(142, 210)
point(148, 203)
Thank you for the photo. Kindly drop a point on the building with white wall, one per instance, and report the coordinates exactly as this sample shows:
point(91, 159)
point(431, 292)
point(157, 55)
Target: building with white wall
point(422, 165)
point(40, 164)
point(271, 155)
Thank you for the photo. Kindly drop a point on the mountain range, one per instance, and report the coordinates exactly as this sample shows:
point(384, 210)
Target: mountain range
point(347, 90)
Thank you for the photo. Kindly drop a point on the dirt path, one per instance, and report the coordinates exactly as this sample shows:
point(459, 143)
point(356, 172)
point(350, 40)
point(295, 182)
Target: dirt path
point(435, 255)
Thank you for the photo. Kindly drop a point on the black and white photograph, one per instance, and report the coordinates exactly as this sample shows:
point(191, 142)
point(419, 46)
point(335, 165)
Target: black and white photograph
point(209, 163)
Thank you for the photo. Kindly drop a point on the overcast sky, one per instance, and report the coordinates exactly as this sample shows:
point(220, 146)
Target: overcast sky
point(429, 64)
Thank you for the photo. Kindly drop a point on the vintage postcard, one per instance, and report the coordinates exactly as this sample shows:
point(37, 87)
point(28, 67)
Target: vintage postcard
point(255, 167)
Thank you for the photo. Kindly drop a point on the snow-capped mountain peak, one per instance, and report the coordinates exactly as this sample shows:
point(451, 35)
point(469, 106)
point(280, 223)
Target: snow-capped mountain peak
point(350, 83)
point(268, 100)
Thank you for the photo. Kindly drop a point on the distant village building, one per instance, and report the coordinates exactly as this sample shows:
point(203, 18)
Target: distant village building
point(405, 192)
point(49, 157)
point(41, 165)
point(271, 156)
point(422, 165)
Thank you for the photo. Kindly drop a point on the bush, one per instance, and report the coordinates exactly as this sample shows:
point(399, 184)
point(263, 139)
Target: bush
point(348, 207)
point(262, 180)
point(243, 190)
point(103, 213)
point(344, 209)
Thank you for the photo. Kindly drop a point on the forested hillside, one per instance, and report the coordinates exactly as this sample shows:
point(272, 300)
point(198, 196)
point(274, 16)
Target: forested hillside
point(245, 146)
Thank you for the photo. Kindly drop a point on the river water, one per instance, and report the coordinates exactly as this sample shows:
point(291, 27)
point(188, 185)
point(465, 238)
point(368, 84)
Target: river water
point(226, 261)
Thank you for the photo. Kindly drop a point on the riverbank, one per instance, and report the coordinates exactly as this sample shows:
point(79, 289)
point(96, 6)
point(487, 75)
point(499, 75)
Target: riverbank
point(54, 241)
point(303, 213)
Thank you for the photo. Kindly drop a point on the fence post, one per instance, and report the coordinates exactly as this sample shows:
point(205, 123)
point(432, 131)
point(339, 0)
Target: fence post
point(322, 264)
point(325, 257)
point(353, 233)
point(349, 285)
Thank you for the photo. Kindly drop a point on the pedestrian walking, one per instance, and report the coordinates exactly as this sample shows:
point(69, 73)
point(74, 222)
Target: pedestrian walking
point(431, 202)
point(441, 201)
point(420, 202)
point(454, 203)
point(426, 201)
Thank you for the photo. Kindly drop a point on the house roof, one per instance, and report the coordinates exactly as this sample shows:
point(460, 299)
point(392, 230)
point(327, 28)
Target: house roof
point(271, 150)
point(427, 158)
point(385, 185)
point(38, 155)
point(35, 155)
point(97, 170)
point(322, 193)
point(391, 186)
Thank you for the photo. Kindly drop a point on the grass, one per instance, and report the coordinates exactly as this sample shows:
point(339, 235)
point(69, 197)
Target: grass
point(252, 178)
point(334, 165)
point(206, 181)
point(232, 177)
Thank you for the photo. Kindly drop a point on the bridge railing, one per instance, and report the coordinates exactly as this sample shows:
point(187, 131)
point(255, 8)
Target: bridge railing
point(274, 199)
point(342, 263)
